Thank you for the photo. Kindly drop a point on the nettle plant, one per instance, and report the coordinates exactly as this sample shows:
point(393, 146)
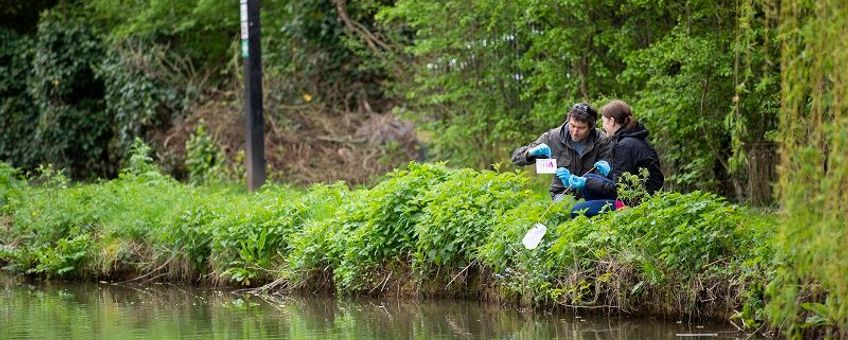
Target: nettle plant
point(631, 187)
point(460, 213)
point(205, 161)
point(390, 213)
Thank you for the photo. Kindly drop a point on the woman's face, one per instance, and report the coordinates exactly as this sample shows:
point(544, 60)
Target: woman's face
point(609, 125)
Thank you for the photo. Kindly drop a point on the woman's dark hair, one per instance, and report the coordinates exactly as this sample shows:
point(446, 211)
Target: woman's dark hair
point(620, 113)
point(583, 113)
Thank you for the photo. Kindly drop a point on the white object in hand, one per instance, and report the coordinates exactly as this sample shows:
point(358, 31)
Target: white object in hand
point(546, 166)
point(534, 236)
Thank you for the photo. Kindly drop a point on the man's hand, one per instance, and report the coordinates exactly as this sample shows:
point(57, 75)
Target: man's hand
point(577, 182)
point(540, 150)
point(603, 167)
point(563, 175)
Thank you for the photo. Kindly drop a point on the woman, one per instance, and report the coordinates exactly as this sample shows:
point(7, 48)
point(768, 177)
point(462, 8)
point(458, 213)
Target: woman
point(629, 151)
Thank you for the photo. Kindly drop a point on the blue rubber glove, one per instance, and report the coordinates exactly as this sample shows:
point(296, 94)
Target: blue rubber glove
point(577, 182)
point(563, 175)
point(540, 150)
point(603, 167)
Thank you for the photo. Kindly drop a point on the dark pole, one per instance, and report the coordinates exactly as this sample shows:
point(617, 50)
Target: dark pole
point(252, 55)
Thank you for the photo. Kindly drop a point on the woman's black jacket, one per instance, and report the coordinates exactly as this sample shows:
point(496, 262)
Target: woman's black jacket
point(629, 150)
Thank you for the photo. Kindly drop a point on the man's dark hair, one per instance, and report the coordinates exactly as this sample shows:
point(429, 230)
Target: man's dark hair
point(583, 113)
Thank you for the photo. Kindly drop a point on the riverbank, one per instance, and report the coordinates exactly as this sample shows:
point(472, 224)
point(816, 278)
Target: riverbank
point(426, 230)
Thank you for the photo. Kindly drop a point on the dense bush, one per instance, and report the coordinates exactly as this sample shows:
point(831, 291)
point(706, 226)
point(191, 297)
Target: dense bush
point(203, 30)
point(319, 244)
point(425, 226)
point(17, 116)
point(73, 130)
point(72, 99)
point(648, 252)
point(387, 230)
point(252, 241)
point(139, 94)
point(10, 187)
point(460, 213)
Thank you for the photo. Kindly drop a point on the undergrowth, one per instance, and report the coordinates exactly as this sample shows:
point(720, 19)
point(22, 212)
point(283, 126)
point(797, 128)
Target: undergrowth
point(425, 229)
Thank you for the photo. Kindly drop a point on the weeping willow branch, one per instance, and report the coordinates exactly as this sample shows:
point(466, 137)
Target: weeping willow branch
point(813, 171)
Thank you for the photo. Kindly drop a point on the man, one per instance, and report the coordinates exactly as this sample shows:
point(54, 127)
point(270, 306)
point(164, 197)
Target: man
point(576, 145)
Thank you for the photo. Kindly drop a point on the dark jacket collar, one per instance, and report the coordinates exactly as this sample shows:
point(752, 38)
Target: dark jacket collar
point(638, 131)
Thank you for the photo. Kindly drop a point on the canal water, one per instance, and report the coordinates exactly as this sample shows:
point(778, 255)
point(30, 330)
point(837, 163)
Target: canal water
point(61, 310)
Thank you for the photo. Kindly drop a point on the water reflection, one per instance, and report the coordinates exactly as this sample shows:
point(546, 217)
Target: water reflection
point(91, 311)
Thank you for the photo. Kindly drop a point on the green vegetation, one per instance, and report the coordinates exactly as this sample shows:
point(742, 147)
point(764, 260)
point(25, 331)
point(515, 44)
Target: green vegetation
point(492, 75)
point(423, 230)
point(81, 80)
point(481, 75)
point(811, 291)
point(744, 100)
point(72, 130)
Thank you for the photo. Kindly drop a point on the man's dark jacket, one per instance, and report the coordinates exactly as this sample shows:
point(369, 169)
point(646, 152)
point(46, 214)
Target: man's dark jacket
point(562, 149)
point(629, 151)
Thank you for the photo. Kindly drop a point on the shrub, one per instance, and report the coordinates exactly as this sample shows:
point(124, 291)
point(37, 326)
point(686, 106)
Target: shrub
point(17, 115)
point(667, 241)
point(425, 223)
point(514, 267)
point(460, 212)
point(11, 188)
point(251, 241)
point(139, 94)
point(205, 162)
point(388, 216)
point(319, 243)
point(73, 129)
